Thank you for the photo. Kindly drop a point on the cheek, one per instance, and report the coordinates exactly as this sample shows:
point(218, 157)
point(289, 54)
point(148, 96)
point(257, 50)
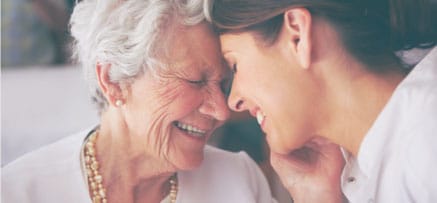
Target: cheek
point(151, 113)
point(175, 99)
point(182, 101)
point(293, 110)
point(289, 131)
point(173, 102)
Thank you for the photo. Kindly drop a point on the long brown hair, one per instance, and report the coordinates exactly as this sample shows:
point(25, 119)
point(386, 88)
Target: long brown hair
point(371, 30)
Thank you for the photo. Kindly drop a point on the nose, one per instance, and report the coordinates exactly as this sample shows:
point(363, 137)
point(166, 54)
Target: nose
point(214, 104)
point(235, 101)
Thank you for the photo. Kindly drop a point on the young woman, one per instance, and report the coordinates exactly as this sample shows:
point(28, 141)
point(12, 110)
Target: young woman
point(323, 74)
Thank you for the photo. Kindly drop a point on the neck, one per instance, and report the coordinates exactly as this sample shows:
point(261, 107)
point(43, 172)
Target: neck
point(357, 97)
point(352, 96)
point(129, 174)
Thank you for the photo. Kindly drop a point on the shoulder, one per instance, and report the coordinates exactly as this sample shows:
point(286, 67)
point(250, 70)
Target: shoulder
point(218, 162)
point(419, 162)
point(420, 149)
point(214, 155)
point(234, 163)
point(232, 177)
point(420, 85)
point(51, 154)
point(415, 112)
point(415, 117)
point(48, 170)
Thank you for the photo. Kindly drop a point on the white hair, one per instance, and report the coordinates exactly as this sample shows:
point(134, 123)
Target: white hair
point(127, 34)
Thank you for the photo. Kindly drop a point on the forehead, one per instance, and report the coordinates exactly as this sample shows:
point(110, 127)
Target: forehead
point(195, 47)
point(236, 42)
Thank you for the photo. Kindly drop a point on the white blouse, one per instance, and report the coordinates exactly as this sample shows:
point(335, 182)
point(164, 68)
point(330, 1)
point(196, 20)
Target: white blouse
point(53, 174)
point(397, 159)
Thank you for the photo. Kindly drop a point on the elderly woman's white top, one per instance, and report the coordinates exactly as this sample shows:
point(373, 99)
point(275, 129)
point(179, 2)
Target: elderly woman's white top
point(53, 174)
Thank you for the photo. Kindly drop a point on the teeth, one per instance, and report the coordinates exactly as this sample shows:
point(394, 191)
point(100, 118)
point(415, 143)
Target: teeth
point(191, 129)
point(259, 117)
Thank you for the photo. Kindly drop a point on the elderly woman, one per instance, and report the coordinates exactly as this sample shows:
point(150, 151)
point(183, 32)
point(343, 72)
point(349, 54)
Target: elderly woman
point(157, 75)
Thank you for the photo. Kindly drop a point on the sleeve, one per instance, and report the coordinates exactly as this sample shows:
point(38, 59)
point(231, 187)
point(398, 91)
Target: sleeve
point(260, 186)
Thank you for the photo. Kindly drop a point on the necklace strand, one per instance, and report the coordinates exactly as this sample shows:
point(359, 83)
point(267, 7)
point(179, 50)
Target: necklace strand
point(95, 180)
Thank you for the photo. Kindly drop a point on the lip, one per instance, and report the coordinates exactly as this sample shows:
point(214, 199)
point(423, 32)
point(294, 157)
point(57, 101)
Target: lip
point(253, 112)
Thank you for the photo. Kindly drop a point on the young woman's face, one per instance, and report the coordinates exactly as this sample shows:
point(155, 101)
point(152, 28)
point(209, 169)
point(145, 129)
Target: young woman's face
point(274, 88)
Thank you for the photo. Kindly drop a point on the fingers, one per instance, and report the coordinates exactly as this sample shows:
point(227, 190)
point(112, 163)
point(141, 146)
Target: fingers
point(315, 168)
point(325, 148)
point(286, 170)
point(318, 143)
point(318, 153)
point(300, 160)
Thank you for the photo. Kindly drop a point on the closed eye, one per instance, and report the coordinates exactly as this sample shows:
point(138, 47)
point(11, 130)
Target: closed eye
point(234, 68)
point(197, 82)
point(226, 86)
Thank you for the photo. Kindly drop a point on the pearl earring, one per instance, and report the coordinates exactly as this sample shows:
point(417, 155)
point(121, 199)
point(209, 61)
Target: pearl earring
point(118, 102)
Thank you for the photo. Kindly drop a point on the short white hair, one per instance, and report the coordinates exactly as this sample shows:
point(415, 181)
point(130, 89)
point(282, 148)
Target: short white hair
point(127, 34)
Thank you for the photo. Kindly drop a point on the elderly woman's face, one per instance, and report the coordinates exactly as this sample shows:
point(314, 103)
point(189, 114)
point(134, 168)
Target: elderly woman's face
point(176, 112)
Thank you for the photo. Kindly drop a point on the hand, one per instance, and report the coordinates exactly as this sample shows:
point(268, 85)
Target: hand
point(311, 173)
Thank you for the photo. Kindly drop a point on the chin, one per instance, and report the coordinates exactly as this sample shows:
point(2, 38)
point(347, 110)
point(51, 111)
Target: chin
point(282, 146)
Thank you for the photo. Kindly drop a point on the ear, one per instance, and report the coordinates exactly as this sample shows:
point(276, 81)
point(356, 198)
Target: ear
point(112, 91)
point(296, 31)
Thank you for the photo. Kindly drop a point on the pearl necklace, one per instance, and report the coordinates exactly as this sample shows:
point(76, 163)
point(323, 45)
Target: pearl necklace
point(95, 180)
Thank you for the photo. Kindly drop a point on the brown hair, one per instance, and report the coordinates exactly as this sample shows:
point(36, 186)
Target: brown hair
point(371, 30)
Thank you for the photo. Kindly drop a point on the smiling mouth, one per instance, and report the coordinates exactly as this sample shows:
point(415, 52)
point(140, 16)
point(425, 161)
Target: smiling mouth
point(191, 130)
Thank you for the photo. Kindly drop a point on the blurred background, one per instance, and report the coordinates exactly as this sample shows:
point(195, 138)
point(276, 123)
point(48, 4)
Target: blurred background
point(44, 96)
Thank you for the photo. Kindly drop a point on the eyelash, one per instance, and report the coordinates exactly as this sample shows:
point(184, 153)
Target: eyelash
point(197, 82)
point(234, 68)
point(226, 86)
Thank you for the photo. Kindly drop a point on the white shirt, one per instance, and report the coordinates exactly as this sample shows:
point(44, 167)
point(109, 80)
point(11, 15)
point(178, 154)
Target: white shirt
point(397, 160)
point(53, 174)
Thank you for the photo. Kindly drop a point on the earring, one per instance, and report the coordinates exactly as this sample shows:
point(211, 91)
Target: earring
point(118, 102)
